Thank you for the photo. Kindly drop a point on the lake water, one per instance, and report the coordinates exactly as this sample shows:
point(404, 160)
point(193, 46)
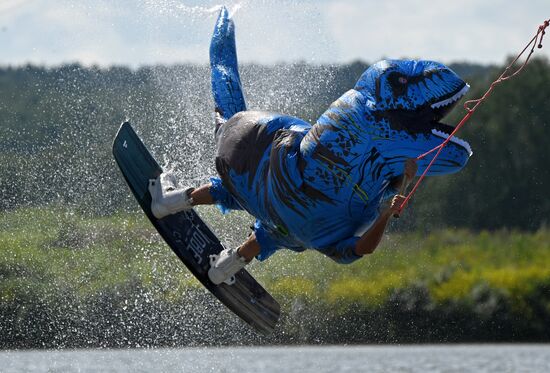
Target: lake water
point(423, 358)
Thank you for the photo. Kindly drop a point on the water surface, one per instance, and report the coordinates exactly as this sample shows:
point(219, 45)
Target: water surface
point(423, 358)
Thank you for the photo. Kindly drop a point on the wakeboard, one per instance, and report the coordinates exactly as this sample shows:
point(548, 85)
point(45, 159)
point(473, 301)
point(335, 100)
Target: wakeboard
point(190, 238)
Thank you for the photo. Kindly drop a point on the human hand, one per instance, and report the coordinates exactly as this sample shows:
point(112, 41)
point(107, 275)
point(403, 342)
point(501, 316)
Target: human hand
point(395, 205)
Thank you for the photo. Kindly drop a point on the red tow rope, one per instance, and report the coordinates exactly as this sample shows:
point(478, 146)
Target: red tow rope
point(536, 41)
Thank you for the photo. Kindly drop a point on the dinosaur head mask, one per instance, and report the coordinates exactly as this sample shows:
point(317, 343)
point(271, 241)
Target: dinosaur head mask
point(405, 101)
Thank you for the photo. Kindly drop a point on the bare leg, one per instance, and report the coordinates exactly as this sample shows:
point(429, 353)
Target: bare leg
point(250, 248)
point(231, 261)
point(202, 196)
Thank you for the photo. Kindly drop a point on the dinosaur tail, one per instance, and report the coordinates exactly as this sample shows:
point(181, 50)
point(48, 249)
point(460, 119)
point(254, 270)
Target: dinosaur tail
point(226, 83)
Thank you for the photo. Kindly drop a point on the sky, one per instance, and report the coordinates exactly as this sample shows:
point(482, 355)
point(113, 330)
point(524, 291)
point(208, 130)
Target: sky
point(146, 32)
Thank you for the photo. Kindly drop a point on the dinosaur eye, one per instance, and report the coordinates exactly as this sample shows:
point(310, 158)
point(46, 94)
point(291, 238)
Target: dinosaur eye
point(402, 80)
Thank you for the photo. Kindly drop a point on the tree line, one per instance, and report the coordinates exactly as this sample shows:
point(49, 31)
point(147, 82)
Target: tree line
point(57, 125)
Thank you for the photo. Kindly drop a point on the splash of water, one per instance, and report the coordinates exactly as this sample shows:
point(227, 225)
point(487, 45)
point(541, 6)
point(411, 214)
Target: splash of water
point(61, 157)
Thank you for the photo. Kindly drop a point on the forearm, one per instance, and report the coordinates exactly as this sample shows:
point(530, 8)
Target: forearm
point(371, 238)
point(368, 242)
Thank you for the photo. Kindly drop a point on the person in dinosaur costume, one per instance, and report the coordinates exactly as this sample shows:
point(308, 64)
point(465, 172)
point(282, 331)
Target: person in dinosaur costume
point(320, 186)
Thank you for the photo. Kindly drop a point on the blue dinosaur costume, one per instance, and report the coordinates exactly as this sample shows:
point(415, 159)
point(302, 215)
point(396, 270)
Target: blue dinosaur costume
point(321, 186)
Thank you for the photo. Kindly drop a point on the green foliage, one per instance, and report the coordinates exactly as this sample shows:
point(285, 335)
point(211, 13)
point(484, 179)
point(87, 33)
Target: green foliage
point(506, 182)
point(94, 273)
point(57, 124)
point(59, 269)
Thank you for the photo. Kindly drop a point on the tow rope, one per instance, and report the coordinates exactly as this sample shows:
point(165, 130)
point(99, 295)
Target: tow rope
point(471, 105)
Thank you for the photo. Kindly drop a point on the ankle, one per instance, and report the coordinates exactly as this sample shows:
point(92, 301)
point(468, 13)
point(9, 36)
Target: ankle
point(202, 196)
point(246, 253)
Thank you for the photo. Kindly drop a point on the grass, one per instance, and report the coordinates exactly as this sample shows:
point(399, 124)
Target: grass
point(55, 249)
point(449, 263)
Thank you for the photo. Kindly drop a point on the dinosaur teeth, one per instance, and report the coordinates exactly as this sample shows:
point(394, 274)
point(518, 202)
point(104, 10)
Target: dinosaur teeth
point(452, 99)
point(455, 140)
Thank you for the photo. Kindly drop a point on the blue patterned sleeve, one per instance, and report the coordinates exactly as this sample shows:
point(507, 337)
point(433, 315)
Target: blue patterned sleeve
point(268, 244)
point(343, 251)
point(224, 200)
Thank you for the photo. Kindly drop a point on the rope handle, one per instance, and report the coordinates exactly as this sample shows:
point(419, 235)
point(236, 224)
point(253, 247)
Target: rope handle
point(536, 41)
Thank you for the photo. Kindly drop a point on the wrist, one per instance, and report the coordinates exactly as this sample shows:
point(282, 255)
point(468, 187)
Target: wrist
point(386, 214)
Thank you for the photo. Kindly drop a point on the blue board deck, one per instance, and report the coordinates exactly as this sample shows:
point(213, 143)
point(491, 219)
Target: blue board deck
point(190, 238)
